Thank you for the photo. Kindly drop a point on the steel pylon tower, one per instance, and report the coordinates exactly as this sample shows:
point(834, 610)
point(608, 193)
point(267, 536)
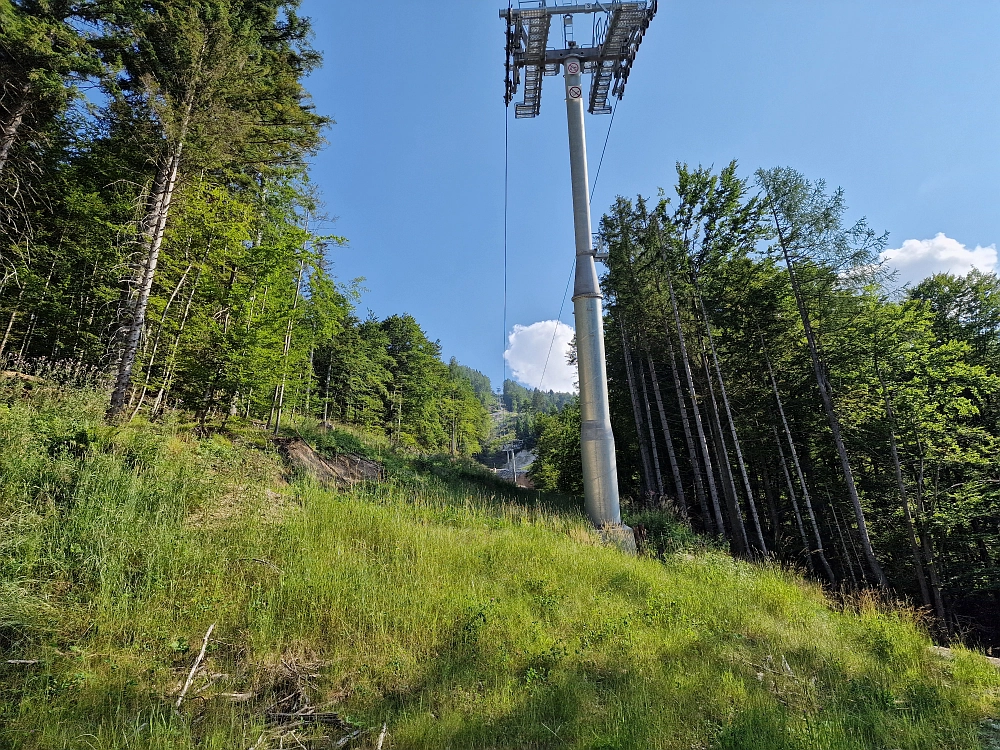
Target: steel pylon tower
point(616, 30)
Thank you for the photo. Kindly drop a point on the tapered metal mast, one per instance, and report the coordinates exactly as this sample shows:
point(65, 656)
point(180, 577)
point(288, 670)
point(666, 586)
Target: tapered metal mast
point(617, 29)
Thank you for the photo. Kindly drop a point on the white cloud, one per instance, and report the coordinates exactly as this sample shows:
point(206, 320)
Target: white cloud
point(527, 352)
point(918, 259)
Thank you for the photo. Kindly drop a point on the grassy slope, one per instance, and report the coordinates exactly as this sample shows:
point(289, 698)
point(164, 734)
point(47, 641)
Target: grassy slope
point(460, 614)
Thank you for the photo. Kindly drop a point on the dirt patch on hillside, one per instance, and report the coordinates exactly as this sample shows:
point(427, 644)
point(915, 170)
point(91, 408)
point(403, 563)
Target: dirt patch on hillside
point(343, 470)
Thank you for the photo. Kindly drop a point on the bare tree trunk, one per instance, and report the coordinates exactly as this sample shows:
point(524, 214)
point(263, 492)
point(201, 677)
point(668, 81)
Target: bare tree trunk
point(326, 396)
point(925, 539)
point(826, 396)
point(454, 428)
point(843, 546)
point(280, 401)
point(675, 468)
point(147, 230)
point(764, 481)
point(29, 332)
point(693, 396)
point(984, 554)
point(918, 565)
point(171, 363)
point(731, 422)
point(640, 429)
point(652, 432)
point(10, 323)
point(156, 340)
point(806, 552)
point(137, 320)
point(699, 485)
point(827, 569)
point(78, 339)
point(8, 329)
point(33, 319)
point(274, 406)
point(722, 454)
point(9, 131)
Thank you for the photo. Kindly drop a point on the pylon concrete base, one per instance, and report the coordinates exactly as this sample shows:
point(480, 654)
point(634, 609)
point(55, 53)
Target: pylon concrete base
point(620, 536)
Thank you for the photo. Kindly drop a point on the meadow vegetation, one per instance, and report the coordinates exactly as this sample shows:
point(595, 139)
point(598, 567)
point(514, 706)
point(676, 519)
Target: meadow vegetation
point(454, 609)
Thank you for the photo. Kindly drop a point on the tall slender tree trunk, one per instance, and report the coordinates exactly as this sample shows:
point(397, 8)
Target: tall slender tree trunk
point(725, 468)
point(925, 538)
point(918, 565)
point(137, 321)
point(156, 340)
point(640, 429)
point(309, 379)
point(274, 406)
point(843, 546)
point(154, 202)
point(675, 468)
point(7, 330)
point(326, 390)
point(764, 481)
point(29, 332)
point(819, 551)
point(806, 552)
point(699, 485)
point(638, 370)
point(984, 554)
point(731, 422)
point(33, 318)
point(454, 425)
point(10, 322)
point(657, 471)
point(280, 400)
point(693, 397)
point(826, 396)
point(168, 376)
point(10, 128)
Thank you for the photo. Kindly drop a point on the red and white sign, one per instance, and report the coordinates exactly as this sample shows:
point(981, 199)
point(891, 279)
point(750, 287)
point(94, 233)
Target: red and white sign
point(573, 68)
point(575, 92)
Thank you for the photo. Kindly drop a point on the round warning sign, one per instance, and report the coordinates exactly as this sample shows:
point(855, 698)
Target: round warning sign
point(573, 68)
point(575, 92)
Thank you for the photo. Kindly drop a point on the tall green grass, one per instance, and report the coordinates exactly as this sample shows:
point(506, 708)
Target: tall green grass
point(458, 611)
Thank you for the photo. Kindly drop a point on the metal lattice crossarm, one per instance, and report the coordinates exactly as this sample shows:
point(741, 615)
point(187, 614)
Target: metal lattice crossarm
point(617, 31)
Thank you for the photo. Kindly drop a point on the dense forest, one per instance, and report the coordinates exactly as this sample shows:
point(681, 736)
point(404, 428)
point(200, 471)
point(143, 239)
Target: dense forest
point(772, 384)
point(158, 226)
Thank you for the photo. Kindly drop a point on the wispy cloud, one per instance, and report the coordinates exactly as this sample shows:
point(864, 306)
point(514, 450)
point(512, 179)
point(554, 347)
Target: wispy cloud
point(527, 351)
point(918, 259)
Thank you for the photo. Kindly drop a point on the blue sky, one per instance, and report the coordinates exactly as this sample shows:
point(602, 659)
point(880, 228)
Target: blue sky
point(897, 101)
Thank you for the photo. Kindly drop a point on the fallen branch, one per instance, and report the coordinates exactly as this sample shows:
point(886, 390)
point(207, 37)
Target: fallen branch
point(328, 718)
point(381, 737)
point(237, 697)
point(196, 667)
point(344, 742)
point(23, 662)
